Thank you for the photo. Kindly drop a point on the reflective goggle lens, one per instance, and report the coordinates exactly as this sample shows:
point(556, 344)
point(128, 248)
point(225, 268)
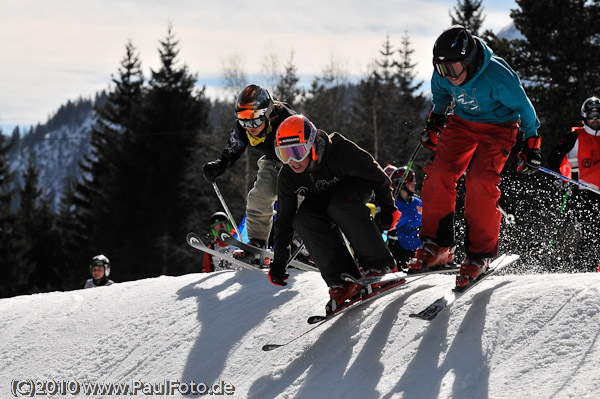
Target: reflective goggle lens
point(251, 123)
point(219, 225)
point(449, 69)
point(297, 152)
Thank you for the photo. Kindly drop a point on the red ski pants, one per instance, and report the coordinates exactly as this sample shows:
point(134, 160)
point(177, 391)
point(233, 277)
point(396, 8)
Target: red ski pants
point(482, 148)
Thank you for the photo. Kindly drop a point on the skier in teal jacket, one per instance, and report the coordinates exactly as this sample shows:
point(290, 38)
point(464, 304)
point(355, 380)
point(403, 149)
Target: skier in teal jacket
point(479, 105)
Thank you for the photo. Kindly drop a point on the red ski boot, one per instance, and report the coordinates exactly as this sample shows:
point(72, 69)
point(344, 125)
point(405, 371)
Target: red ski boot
point(470, 270)
point(430, 255)
point(342, 292)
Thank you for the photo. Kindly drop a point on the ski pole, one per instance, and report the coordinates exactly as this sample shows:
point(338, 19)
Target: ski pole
point(295, 253)
point(408, 167)
point(226, 208)
point(577, 182)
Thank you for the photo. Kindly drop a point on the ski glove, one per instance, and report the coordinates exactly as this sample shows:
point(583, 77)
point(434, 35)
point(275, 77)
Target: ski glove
point(433, 128)
point(529, 159)
point(388, 221)
point(277, 274)
point(213, 169)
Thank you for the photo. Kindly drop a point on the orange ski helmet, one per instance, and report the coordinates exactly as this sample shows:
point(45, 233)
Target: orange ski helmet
point(295, 139)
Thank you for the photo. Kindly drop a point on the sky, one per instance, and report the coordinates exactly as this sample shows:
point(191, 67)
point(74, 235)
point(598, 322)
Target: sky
point(512, 336)
point(55, 51)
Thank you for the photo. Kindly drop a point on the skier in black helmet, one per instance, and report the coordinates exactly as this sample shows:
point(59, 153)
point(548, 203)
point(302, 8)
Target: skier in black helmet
point(404, 240)
point(577, 156)
point(218, 220)
point(100, 270)
point(479, 105)
point(258, 116)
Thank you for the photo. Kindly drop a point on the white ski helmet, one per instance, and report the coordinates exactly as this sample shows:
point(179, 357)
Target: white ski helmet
point(101, 260)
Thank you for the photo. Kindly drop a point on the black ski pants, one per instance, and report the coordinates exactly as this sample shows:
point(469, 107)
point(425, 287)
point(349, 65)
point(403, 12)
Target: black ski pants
point(320, 219)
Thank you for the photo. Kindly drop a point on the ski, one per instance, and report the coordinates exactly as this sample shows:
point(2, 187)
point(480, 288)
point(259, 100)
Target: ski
point(195, 241)
point(228, 239)
point(431, 311)
point(317, 321)
point(450, 268)
point(366, 295)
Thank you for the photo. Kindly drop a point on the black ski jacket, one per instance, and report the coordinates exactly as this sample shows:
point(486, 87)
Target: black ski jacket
point(238, 140)
point(338, 159)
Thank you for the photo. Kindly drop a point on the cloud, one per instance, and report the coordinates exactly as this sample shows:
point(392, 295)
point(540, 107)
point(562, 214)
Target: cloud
point(60, 50)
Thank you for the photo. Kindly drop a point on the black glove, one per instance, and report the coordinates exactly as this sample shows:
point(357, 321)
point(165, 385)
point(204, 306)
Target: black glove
point(529, 159)
point(213, 169)
point(277, 274)
point(388, 220)
point(433, 128)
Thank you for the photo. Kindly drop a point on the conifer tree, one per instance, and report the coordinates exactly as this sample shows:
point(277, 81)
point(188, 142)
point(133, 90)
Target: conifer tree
point(9, 247)
point(387, 108)
point(468, 14)
point(412, 104)
point(103, 201)
point(42, 265)
point(174, 113)
point(557, 62)
point(287, 89)
point(327, 101)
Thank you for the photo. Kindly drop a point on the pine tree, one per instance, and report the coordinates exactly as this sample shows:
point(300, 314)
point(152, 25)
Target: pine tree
point(387, 108)
point(102, 203)
point(287, 89)
point(412, 104)
point(328, 100)
point(557, 61)
point(42, 266)
point(10, 250)
point(468, 14)
point(174, 113)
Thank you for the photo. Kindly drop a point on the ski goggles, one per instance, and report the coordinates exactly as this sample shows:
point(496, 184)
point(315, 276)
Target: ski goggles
point(593, 115)
point(251, 123)
point(296, 152)
point(450, 69)
point(398, 176)
point(215, 227)
point(408, 178)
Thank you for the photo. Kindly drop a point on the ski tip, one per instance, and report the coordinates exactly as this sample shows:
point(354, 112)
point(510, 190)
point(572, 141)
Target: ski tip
point(316, 319)
point(422, 316)
point(270, 347)
point(192, 238)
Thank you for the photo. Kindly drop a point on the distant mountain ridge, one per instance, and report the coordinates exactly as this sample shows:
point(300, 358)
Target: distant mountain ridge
point(57, 147)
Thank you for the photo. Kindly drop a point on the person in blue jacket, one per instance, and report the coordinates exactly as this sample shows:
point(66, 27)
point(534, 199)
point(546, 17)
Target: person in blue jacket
point(404, 240)
point(479, 106)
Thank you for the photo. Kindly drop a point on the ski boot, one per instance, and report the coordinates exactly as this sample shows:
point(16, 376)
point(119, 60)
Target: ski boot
point(379, 272)
point(253, 258)
point(340, 293)
point(429, 256)
point(470, 270)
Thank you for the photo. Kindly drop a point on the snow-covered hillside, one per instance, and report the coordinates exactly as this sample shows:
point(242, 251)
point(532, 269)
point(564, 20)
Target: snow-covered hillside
point(533, 336)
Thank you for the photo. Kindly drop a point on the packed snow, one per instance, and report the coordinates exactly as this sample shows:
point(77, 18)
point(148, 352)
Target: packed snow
point(525, 336)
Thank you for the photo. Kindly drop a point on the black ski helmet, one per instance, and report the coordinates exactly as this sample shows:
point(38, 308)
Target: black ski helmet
point(101, 260)
point(452, 46)
point(590, 109)
point(390, 169)
point(218, 217)
point(254, 102)
point(399, 175)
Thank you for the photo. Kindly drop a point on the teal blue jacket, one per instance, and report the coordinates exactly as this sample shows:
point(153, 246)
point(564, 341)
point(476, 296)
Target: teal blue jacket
point(493, 95)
